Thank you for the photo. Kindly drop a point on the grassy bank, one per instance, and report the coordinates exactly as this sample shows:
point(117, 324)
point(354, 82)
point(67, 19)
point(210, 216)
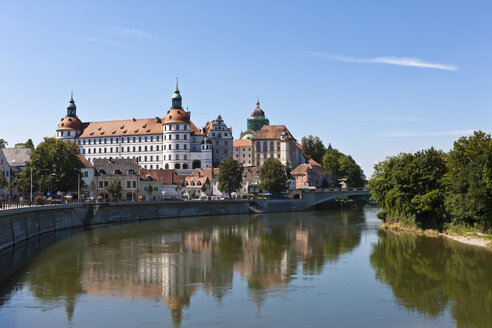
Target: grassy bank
point(461, 234)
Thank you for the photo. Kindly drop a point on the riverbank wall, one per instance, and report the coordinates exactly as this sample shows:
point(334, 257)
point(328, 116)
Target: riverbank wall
point(18, 225)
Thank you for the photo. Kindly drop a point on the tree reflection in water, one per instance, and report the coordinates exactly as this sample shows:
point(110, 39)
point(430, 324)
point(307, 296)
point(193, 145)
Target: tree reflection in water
point(429, 274)
point(169, 260)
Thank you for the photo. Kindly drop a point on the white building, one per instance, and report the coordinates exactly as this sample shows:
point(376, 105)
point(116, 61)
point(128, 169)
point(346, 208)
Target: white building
point(171, 142)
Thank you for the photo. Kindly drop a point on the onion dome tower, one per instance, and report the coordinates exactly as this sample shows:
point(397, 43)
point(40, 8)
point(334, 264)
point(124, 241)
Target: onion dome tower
point(257, 119)
point(176, 134)
point(70, 126)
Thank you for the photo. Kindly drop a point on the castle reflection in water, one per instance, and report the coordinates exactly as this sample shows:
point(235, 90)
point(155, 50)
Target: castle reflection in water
point(171, 260)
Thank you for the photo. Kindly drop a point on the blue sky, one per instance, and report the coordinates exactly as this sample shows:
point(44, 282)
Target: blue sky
point(373, 78)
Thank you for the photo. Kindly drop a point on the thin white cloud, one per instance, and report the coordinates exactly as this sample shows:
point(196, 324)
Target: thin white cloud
point(403, 133)
point(129, 32)
point(403, 119)
point(106, 41)
point(391, 60)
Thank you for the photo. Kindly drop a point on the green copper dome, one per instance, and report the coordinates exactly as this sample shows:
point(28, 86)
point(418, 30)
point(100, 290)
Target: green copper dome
point(176, 95)
point(248, 136)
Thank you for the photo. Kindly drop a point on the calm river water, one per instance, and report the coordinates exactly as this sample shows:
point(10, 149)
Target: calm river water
point(311, 269)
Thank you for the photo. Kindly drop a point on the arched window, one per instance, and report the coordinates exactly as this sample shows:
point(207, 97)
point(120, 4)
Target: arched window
point(198, 183)
point(185, 166)
point(177, 166)
point(192, 183)
point(166, 166)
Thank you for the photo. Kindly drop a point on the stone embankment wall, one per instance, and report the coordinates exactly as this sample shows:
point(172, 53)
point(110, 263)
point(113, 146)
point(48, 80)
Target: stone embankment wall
point(18, 225)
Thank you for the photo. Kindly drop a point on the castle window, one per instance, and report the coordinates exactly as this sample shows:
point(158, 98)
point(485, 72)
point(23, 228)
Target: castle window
point(185, 158)
point(170, 137)
point(157, 138)
point(177, 136)
point(100, 150)
point(169, 157)
point(139, 148)
point(145, 138)
point(111, 140)
point(169, 147)
point(163, 148)
point(145, 148)
point(185, 146)
point(157, 147)
point(145, 159)
point(117, 149)
point(89, 150)
point(177, 146)
point(105, 141)
point(151, 138)
point(177, 127)
point(139, 139)
point(111, 149)
point(134, 148)
point(157, 159)
point(185, 137)
point(151, 148)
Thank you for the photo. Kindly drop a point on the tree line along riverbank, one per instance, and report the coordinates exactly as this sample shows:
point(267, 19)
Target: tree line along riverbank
point(434, 190)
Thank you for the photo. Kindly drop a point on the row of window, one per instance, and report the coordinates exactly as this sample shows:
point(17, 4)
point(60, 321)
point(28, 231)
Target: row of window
point(176, 127)
point(244, 155)
point(265, 145)
point(128, 149)
point(117, 140)
point(129, 184)
point(169, 147)
point(169, 157)
point(176, 137)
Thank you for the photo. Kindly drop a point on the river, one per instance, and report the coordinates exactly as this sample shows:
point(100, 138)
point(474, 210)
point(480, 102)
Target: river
point(310, 269)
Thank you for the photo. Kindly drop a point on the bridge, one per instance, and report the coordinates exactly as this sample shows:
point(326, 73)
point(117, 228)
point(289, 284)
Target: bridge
point(314, 197)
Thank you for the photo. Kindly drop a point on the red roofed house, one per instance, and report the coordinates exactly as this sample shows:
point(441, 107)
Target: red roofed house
point(164, 184)
point(310, 175)
point(276, 141)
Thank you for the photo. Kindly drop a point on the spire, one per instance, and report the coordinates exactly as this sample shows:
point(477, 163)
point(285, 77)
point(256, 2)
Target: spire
point(257, 102)
point(176, 98)
point(71, 108)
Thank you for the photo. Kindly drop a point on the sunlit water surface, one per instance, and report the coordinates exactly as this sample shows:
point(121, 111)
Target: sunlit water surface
point(311, 269)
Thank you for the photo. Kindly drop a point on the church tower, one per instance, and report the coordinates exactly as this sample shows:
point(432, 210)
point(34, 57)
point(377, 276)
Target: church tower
point(257, 119)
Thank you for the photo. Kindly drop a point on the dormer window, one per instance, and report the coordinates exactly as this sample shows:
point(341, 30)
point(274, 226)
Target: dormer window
point(102, 172)
point(117, 172)
point(131, 172)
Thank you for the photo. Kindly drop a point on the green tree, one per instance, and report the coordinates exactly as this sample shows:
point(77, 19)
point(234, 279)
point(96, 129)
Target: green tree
point(469, 181)
point(27, 144)
point(351, 171)
point(272, 176)
point(409, 187)
point(3, 180)
point(230, 175)
point(92, 186)
point(332, 165)
point(53, 162)
point(313, 148)
point(339, 166)
point(3, 143)
point(114, 188)
point(149, 189)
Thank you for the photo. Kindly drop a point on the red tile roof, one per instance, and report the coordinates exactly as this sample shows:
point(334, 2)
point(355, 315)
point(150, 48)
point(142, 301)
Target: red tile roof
point(167, 177)
point(85, 162)
point(243, 143)
point(273, 132)
point(311, 168)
